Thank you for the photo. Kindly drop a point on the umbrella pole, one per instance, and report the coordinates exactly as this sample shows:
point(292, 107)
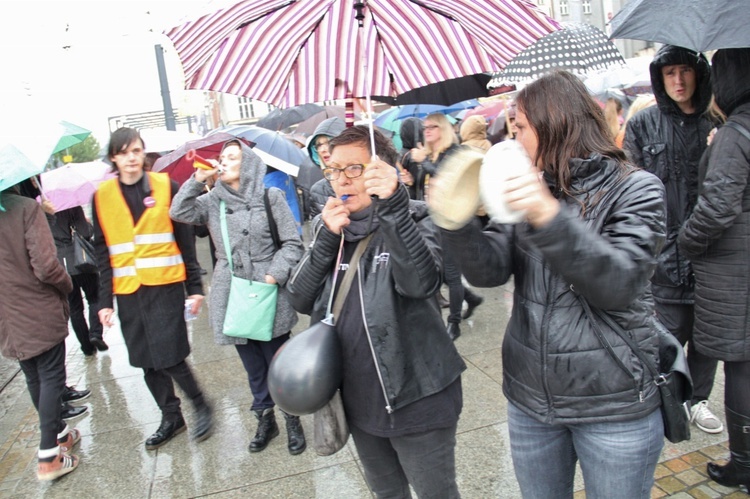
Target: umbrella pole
point(39, 186)
point(359, 7)
point(507, 116)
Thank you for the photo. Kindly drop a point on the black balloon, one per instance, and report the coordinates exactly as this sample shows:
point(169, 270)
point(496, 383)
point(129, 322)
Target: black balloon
point(306, 371)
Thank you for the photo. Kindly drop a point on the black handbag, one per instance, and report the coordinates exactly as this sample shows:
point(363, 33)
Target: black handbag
point(83, 253)
point(672, 378)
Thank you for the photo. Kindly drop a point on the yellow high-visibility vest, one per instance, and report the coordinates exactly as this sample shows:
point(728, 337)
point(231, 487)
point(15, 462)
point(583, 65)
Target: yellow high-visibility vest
point(144, 253)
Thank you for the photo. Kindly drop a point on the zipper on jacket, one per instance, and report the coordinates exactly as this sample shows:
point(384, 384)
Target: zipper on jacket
point(388, 407)
point(543, 350)
point(306, 256)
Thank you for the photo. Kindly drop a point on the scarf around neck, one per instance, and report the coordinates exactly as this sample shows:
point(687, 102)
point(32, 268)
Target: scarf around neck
point(360, 222)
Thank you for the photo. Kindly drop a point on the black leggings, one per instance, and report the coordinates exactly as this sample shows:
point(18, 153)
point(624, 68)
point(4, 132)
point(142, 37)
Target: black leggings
point(737, 387)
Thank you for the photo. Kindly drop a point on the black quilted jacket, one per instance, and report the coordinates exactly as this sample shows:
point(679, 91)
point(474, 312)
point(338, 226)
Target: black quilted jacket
point(555, 367)
point(717, 234)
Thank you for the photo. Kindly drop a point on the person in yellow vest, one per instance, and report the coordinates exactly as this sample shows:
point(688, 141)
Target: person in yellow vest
point(148, 263)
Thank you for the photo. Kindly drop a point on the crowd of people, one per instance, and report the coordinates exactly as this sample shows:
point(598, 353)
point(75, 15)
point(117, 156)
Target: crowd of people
point(641, 219)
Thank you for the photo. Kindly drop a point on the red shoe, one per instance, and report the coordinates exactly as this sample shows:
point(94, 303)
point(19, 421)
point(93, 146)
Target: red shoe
point(59, 466)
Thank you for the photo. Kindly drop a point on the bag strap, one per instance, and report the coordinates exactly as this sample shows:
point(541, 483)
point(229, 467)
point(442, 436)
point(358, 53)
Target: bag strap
point(271, 221)
point(346, 282)
point(658, 378)
point(743, 131)
point(225, 233)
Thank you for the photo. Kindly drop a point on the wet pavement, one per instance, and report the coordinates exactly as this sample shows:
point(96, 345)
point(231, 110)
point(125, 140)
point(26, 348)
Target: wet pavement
point(122, 414)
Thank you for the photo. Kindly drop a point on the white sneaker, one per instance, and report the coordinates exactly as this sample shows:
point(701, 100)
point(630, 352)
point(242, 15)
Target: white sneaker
point(704, 419)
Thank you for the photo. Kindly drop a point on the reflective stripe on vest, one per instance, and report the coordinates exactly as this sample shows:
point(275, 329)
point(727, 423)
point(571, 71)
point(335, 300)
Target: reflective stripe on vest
point(146, 253)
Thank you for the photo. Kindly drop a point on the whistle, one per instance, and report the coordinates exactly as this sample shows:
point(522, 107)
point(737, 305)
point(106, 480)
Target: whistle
point(198, 160)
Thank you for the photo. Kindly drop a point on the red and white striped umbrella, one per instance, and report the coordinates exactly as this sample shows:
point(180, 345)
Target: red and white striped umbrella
point(290, 52)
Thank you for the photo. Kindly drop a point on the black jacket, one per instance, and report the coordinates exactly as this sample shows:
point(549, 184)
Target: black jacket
point(717, 234)
point(411, 132)
point(669, 143)
point(399, 276)
point(555, 368)
point(151, 318)
point(60, 224)
point(319, 194)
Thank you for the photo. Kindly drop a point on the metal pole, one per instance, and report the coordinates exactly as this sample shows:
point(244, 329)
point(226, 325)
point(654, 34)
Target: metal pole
point(164, 84)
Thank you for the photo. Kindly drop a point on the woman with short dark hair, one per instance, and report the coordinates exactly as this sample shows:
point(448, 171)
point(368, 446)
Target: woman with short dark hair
point(401, 384)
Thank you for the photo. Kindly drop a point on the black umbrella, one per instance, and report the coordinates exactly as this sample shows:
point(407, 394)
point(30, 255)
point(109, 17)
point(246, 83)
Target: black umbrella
point(444, 93)
point(579, 48)
point(699, 25)
point(278, 119)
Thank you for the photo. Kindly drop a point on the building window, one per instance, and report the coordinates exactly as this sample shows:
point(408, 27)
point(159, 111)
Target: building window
point(564, 9)
point(246, 107)
point(586, 6)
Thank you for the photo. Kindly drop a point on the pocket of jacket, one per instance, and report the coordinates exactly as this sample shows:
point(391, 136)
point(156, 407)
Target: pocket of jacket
point(655, 160)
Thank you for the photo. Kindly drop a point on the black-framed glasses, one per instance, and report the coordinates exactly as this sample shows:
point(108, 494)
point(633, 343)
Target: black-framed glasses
point(431, 127)
point(351, 171)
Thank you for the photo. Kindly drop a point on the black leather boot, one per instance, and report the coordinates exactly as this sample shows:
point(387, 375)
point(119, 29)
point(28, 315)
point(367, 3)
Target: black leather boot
point(737, 471)
point(295, 435)
point(204, 419)
point(267, 429)
point(165, 432)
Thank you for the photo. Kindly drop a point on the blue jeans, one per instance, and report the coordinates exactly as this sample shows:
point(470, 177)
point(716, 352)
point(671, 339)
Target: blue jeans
point(617, 459)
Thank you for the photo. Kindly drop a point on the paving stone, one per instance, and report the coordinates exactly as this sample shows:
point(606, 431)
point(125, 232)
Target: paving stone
point(690, 477)
point(670, 485)
point(656, 493)
point(702, 492)
point(724, 491)
point(677, 465)
point(696, 458)
point(661, 471)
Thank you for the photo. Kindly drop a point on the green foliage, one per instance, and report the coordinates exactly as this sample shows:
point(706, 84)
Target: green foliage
point(83, 152)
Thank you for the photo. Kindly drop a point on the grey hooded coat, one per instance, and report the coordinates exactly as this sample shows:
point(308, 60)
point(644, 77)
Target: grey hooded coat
point(253, 251)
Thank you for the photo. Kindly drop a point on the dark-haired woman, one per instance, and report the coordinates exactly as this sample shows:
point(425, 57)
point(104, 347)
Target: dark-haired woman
point(148, 263)
point(593, 227)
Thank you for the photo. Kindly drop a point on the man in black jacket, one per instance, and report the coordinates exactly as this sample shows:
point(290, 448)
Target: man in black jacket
point(668, 140)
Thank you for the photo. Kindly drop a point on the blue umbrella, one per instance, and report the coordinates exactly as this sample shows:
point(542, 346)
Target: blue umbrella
point(285, 182)
point(423, 110)
point(272, 142)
